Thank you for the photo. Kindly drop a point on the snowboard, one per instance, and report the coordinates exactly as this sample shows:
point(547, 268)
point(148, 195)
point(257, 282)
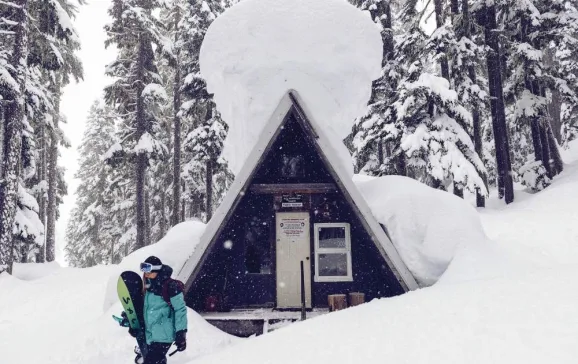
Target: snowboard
point(129, 288)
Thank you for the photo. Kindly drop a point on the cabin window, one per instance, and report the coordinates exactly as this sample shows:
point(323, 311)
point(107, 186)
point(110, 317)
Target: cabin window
point(257, 246)
point(333, 253)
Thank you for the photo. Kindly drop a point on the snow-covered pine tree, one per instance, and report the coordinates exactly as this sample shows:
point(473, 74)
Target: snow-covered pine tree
point(137, 92)
point(485, 14)
point(89, 238)
point(14, 85)
point(370, 150)
point(205, 131)
point(205, 144)
point(423, 118)
point(533, 27)
point(465, 68)
point(174, 80)
point(53, 43)
point(50, 47)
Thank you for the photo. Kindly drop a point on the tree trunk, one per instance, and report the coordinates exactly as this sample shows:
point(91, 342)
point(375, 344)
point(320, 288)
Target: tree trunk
point(141, 158)
point(209, 190)
point(148, 233)
point(52, 179)
point(536, 140)
point(13, 139)
point(175, 215)
point(555, 106)
point(41, 256)
point(555, 155)
point(505, 182)
point(112, 250)
point(163, 222)
point(445, 68)
point(444, 64)
point(477, 127)
point(183, 202)
point(401, 164)
point(546, 151)
point(2, 140)
point(480, 199)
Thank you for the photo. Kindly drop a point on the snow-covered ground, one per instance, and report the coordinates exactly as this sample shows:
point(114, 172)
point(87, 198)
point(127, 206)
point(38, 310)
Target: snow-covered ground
point(54, 315)
point(510, 300)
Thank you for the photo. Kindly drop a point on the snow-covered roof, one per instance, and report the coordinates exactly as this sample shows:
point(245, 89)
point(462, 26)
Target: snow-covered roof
point(327, 50)
point(343, 179)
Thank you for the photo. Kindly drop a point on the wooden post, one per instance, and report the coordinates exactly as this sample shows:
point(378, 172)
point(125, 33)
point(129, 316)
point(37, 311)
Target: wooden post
point(337, 302)
point(356, 298)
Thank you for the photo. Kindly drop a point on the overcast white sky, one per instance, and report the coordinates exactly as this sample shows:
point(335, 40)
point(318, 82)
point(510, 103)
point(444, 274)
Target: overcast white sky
point(77, 99)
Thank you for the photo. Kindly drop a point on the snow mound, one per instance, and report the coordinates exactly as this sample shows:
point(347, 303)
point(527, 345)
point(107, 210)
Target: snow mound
point(326, 50)
point(62, 317)
point(427, 226)
point(33, 271)
point(173, 249)
point(527, 319)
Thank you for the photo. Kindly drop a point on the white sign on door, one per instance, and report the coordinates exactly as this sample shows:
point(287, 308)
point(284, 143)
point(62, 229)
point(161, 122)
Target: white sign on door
point(293, 228)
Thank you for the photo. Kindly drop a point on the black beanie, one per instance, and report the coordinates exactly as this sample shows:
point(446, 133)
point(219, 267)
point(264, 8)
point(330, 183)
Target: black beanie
point(153, 260)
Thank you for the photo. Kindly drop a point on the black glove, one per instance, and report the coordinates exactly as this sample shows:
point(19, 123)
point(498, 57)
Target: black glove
point(181, 340)
point(132, 331)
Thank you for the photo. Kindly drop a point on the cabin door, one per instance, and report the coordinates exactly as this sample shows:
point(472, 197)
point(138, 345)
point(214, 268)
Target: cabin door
point(293, 245)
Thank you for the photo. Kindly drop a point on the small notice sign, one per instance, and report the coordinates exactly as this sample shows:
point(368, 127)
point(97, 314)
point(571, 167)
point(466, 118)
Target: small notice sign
point(293, 227)
point(295, 200)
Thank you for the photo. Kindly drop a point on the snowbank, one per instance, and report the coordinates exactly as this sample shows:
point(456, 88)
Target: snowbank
point(427, 226)
point(523, 312)
point(326, 50)
point(59, 311)
point(528, 319)
point(33, 271)
point(173, 250)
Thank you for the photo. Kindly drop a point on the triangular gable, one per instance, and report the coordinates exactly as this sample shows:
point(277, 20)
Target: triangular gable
point(322, 144)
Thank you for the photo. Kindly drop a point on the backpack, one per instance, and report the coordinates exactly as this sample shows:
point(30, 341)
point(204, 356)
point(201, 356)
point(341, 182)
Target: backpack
point(180, 286)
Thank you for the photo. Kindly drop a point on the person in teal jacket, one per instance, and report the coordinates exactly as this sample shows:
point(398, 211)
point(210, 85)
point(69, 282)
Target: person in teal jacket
point(164, 323)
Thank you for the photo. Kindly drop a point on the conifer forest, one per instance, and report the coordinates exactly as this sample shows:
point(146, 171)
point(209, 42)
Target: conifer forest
point(475, 97)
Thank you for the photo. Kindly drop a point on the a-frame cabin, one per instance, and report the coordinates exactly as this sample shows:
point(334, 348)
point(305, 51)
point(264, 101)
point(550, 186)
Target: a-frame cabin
point(292, 202)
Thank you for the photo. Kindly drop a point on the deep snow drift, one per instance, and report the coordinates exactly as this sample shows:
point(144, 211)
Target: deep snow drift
point(54, 315)
point(427, 226)
point(327, 50)
point(510, 300)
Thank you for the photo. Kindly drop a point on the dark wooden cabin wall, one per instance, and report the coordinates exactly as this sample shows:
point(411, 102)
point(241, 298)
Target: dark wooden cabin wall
point(371, 275)
point(225, 271)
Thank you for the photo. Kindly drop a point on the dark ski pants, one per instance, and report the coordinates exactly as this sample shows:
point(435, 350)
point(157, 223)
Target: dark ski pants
point(157, 353)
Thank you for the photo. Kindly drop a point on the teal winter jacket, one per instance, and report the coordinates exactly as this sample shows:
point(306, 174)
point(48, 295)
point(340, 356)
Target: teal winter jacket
point(161, 321)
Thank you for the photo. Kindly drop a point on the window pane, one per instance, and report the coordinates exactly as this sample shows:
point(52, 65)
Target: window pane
point(332, 237)
point(333, 265)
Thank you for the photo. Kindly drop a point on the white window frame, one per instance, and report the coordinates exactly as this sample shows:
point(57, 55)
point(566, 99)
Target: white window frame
point(346, 250)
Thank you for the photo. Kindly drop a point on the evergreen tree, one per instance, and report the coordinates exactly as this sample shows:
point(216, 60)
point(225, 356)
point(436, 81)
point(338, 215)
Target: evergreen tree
point(485, 12)
point(420, 117)
point(533, 27)
point(14, 82)
point(89, 238)
point(205, 131)
point(137, 92)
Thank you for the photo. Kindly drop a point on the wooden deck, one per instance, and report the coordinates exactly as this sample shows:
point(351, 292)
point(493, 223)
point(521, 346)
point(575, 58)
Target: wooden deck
point(248, 322)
